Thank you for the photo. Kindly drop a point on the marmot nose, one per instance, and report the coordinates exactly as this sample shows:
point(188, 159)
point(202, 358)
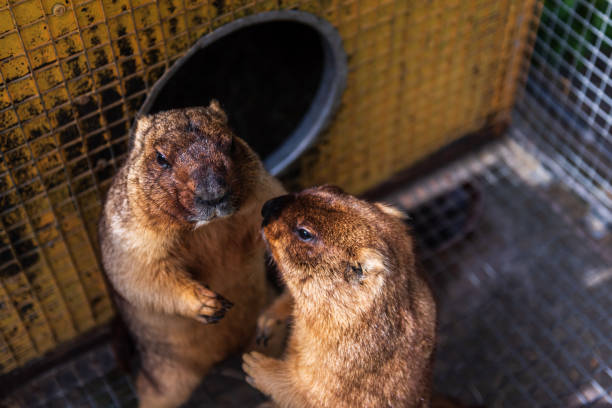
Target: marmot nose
point(203, 202)
point(272, 208)
point(213, 191)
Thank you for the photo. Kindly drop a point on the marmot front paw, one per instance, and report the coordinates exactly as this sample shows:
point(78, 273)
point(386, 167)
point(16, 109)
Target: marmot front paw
point(258, 368)
point(267, 325)
point(274, 321)
point(212, 306)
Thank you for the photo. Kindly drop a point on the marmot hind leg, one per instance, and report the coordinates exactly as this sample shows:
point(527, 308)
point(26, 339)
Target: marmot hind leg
point(165, 384)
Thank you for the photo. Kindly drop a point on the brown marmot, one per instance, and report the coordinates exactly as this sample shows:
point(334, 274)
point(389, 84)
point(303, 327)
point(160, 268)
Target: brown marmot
point(179, 235)
point(364, 319)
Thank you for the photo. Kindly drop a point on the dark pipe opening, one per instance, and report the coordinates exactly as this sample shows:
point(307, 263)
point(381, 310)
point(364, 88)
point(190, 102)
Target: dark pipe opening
point(278, 75)
point(265, 76)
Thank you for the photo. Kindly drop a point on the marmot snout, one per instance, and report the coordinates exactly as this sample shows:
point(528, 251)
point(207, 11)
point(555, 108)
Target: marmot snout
point(364, 318)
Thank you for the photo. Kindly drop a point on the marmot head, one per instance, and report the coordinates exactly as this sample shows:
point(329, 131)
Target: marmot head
point(187, 167)
point(331, 244)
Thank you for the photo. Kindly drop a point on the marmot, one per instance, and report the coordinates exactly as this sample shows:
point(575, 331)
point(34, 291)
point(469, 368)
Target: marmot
point(364, 319)
point(179, 235)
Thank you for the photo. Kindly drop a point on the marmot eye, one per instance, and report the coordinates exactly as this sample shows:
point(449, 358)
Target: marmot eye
point(304, 234)
point(162, 161)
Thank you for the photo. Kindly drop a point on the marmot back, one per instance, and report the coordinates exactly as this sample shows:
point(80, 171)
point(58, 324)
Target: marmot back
point(364, 319)
point(179, 236)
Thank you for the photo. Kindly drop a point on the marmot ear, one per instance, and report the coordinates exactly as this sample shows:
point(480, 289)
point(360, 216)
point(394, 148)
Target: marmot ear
point(392, 211)
point(143, 124)
point(370, 261)
point(368, 265)
point(330, 188)
point(216, 110)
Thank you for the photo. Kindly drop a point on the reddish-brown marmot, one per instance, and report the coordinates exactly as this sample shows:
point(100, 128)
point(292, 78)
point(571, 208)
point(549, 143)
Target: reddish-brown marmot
point(363, 330)
point(179, 235)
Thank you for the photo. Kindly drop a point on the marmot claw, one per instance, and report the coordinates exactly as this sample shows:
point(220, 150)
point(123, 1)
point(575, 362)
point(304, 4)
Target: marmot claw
point(213, 309)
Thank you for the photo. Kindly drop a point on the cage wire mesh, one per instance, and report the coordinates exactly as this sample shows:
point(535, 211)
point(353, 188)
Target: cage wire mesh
point(566, 114)
point(523, 290)
point(93, 380)
point(523, 296)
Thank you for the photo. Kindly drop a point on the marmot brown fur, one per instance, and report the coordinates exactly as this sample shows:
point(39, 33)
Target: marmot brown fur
point(364, 319)
point(179, 235)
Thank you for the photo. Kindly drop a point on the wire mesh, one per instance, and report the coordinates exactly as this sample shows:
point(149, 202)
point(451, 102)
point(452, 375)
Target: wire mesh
point(522, 292)
point(566, 114)
point(93, 380)
point(90, 380)
point(524, 297)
